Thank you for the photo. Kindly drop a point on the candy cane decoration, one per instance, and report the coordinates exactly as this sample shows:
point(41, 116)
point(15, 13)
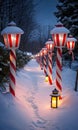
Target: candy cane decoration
point(50, 67)
point(45, 64)
point(59, 35)
point(12, 71)
point(59, 69)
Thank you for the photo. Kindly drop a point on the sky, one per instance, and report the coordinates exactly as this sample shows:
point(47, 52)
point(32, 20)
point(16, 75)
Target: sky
point(44, 12)
point(30, 109)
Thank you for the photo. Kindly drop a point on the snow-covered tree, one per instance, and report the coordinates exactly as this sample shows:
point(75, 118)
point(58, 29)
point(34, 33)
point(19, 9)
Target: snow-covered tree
point(67, 13)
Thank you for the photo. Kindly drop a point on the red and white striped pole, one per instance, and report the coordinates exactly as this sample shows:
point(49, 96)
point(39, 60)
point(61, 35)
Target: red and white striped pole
point(41, 63)
point(12, 71)
point(59, 69)
point(12, 35)
point(50, 68)
point(50, 46)
point(59, 34)
point(44, 51)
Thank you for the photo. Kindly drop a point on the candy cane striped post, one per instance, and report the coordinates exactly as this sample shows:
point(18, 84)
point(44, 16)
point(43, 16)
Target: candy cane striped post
point(50, 67)
point(59, 70)
point(12, 71)
point(50, 47)
point(41, 63)
point(44, 50)
point(12, 35)
point(59, 35)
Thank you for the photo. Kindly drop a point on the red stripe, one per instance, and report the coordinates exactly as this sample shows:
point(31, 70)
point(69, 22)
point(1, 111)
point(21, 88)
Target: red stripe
point(73, 45)
point(50, 69)
point(59, 51)
point(50, 81)
point(13, 66)
point(64, 40)
point(58, 64)
point(68, 45)
point(12, 77)
point(58, 75)
point(57, 40)
point(17, 40)
point(58, 85)
point(11, 90)
point(10, 40)
point(13, 55)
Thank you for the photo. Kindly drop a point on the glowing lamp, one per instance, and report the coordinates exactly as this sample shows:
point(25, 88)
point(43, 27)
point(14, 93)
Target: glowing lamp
point(59, 35)
point(49, 44)
point(41, 53)
point(12, 35)
point(46, 78)
point(71, 43)
point(54, 98)
point(44, 51)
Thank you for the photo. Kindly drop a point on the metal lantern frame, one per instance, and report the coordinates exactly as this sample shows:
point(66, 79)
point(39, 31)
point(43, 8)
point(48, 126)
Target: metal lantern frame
point(55, 98)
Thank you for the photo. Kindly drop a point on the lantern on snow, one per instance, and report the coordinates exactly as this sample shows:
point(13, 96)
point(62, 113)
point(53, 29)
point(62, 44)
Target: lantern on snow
point(54, 98)
point(71, 43)
point(12, 35)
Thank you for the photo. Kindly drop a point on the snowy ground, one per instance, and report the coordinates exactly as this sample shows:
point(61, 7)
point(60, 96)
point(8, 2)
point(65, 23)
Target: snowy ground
point(30, 110)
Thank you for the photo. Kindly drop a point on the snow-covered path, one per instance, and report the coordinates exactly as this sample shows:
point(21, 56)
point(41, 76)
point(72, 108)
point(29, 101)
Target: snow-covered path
point(30, 109)
point(33, 92)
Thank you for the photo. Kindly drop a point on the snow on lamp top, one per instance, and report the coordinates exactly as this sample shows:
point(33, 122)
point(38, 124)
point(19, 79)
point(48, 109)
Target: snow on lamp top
point(12, 35)
point(12, 29)
point(49, 44)
point(44, 51)
point(59, 35)
point(71, 42)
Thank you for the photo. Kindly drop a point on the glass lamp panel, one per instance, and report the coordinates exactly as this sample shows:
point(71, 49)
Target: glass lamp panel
point(46, 79)
point(5, 39)
point(73, 44)
point(54, 105)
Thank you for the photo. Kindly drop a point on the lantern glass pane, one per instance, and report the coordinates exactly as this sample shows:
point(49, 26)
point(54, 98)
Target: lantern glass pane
point(46, 79)
point(54, 102)
point(5, 40)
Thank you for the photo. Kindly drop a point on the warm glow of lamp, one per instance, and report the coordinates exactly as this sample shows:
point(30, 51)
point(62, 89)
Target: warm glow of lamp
point(49, 45)
point(55, 98)
point(59, 35)
point(46, 78)
point(44, 51)
point(12, 35)
point(71, 43)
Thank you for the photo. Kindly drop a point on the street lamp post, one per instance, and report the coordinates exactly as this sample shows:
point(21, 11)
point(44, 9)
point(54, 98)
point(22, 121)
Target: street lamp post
point(59, 35)
point(12, 35)
point(44, 52)
point(50, 45)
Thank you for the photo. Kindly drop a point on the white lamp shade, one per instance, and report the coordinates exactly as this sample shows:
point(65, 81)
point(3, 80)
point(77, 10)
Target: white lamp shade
point(12, 40)
point(59, 35)
point(71, 43)
point(12, 35)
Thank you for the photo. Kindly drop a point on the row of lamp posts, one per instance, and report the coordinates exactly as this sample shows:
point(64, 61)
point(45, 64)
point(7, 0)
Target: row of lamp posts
point(60, 40)
point(12, 36)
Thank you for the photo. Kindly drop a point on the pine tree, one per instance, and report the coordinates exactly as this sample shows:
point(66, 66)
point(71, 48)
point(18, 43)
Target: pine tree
point(67, 13)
